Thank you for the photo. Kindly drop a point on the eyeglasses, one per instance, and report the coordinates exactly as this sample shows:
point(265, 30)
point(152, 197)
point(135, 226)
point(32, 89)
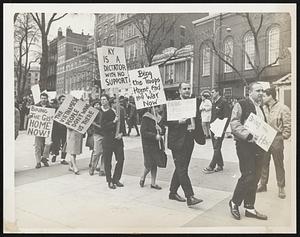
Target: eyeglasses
point(259, 90)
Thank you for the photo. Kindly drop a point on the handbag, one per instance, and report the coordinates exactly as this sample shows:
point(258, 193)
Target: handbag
point(162, 157)
point(198, 133)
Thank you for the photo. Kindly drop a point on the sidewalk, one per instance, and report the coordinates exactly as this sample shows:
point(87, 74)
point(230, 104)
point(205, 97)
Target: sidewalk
point(55, 200)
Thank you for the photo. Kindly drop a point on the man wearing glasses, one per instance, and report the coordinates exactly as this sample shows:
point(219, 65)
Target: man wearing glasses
point(249, 154)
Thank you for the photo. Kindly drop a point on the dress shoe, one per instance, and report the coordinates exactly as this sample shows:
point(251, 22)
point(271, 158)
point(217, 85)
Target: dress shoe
point(111, 186)
point(156, 187)
point(77, 172)
point(119, 184)
point(261, 188)
point(193, 201)
point(234, 209)
point(53, 159)
point(45, 162)
point(38, 165)
point(257, 215)
point(208, 170)
point(281, 193)
point(218, 169)
point(64, 162)
point(142, 183)
point(175, 196)
point(98, 169)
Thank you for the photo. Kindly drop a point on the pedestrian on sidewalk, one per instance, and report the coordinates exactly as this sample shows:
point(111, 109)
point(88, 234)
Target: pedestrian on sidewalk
point(205, 109)
point(220, 110)
point(152, 130)
point(111, 143)
point(97, 136)
point(181, 143)
point(42, 145)
point(249, 154)
point(59, 135)
point(278, 117)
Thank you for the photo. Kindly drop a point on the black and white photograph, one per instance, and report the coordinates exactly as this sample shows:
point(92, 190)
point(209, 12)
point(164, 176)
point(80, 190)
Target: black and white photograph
point(149, 118)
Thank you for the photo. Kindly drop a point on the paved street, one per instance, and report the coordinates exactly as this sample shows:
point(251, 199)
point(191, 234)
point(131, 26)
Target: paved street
point(55, 200)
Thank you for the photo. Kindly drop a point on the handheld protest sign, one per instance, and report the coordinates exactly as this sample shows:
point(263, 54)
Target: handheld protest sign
point(147, 87)
point(75, 114)
point(41, 122)
point(112, 67)
point(264, 132)
point(181, 109)
point(35, 89)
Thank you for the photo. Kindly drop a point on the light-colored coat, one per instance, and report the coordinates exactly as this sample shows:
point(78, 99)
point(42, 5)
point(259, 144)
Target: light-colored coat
point(205, 108)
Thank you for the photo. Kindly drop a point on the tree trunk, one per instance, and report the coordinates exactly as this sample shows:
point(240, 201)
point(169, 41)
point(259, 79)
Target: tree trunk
point(44, 63)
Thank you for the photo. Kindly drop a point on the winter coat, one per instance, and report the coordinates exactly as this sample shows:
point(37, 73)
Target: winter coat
point(205, 109)
point(74, 142)
point(150, 145)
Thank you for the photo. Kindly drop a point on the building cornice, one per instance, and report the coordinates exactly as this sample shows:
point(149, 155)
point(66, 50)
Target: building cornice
point(210, 18)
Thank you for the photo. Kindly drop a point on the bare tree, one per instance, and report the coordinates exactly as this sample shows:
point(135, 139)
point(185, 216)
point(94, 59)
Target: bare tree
point(44, 27)
point(254, 22)
point(154, 30)
point(26, 36)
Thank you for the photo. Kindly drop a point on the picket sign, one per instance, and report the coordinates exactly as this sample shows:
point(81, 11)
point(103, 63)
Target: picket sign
point(181, 109)
point(217, 126)
point(147, 87)
point(75, 114)
point(36, 92)
point(41, 122)
point(112, 67)
point(264, 132)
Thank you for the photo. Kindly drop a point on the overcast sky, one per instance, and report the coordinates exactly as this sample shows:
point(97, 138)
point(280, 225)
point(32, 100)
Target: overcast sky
point(77, 22)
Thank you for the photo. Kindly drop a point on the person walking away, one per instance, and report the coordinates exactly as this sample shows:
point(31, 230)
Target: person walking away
point(181, 144)
point(111, 144)
point(220, 110)
point(249, 154)
point(98, 139)
point(59, 135)
point(152, 130)
point(132, 117)
point(278, 117)
point(205, 109)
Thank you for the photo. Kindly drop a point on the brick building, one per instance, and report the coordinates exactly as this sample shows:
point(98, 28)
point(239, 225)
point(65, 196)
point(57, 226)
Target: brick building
point(232, 34)
point(76, 63)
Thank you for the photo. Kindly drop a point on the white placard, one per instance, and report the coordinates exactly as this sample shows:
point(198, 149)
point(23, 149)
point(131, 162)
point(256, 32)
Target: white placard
point(262, 130)
point(147, 87)
point(181, 109)
point(217, 126)
point(36, 92)
point(112, 67)
point(75, 114)
point(41, 123)
point(77, 93)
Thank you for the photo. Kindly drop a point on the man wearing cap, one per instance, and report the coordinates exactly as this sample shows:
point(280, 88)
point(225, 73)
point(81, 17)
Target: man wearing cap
point(278, 117)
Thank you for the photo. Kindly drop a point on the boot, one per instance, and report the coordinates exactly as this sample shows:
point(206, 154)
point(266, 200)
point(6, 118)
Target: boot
point(281, 192)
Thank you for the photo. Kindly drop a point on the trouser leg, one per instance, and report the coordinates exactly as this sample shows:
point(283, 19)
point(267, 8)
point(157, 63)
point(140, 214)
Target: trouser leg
point(107, 154)
point(47, 147)
point(119, 155)
point(98, 150)
point(217, 158)
point(180, 177)
point(38, 148)
point(63, 141)
point(265, 169)
point(247, 169)
point(278, 159)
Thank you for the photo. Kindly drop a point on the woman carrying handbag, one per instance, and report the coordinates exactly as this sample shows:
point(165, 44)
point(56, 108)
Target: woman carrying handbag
point(152, 131)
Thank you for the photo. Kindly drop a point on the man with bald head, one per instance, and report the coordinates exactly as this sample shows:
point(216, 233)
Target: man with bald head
point(249, 154)
point(181, 143)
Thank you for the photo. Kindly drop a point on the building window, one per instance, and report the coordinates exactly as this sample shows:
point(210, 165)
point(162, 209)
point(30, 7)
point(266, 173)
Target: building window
point(228, 50)
point(227, 92)
point(182, 30)
point(122, 34)
point(273, 39)
point(169, 74)
point(129, 31)
point(180, 72)
point(105, 28)
point(206, 61)
point(249, 50)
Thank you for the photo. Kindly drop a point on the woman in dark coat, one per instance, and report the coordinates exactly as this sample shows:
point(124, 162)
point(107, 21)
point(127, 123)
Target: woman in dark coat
point(152, 130)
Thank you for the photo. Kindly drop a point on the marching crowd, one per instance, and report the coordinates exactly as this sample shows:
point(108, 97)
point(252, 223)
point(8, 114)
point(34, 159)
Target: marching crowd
point(104, 138)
